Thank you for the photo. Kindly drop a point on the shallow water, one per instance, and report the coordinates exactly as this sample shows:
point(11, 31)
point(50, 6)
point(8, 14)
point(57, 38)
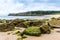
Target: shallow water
point(23, 17)
point(28, 17)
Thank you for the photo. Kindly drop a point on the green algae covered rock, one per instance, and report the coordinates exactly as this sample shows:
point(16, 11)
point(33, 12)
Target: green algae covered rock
point(30, 23)
point(17, 22)
point(45, 29)
point(55, 23)
point(27, 23)
point(35, 23)
point(34, 31)
point(6, 27)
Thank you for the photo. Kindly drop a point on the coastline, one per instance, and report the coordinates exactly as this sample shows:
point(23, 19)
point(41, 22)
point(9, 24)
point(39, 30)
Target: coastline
point(54, 35)
point(30, 17)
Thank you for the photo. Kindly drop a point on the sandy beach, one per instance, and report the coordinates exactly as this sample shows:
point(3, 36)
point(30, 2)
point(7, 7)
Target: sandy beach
point(5, 36)
point(53, 36)
point(29, 19)
point(56, 15)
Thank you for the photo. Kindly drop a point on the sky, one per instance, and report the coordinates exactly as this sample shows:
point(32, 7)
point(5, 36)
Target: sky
point(15, 6)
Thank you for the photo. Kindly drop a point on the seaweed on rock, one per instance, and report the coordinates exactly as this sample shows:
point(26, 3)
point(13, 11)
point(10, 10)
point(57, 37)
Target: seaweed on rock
point(45, 29)
point(6, 27)
point(34, 31)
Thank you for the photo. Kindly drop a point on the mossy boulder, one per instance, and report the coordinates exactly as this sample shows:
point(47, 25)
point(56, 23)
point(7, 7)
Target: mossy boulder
point(17, 21)
point(35, 23)
point(32, 23)
point(53, 18)
point(3, 21)
point(34, 31)
point(21, 25)
point(55, 23)
point(6, 27)
point(45, 29)
point(27, 23)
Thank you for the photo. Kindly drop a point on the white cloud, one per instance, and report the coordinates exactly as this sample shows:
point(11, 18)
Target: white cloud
point(8, 6)
point(41, 6)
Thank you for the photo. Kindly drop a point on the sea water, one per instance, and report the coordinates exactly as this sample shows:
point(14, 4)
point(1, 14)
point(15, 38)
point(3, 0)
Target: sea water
point(25, 17)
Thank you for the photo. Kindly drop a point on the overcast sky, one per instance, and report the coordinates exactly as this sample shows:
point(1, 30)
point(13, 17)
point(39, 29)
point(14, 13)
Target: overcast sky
point(12, 6)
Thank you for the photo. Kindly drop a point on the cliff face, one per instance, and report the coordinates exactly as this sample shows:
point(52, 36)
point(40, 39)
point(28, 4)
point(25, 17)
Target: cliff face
point(34, 13)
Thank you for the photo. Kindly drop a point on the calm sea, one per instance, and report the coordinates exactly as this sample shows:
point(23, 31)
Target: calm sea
point(25, 17)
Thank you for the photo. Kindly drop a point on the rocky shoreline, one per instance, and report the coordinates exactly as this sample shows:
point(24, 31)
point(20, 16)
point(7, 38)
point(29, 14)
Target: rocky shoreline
point(30, 28)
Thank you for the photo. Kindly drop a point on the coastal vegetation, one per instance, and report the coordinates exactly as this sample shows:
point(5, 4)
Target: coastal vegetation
point(34, 13)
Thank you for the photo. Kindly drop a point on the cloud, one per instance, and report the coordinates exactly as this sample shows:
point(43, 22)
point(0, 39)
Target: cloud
point(41, 6)
point(14, 6)
point(8, 6)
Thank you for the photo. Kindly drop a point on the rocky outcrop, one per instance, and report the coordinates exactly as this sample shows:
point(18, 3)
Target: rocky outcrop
point(6, 27)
